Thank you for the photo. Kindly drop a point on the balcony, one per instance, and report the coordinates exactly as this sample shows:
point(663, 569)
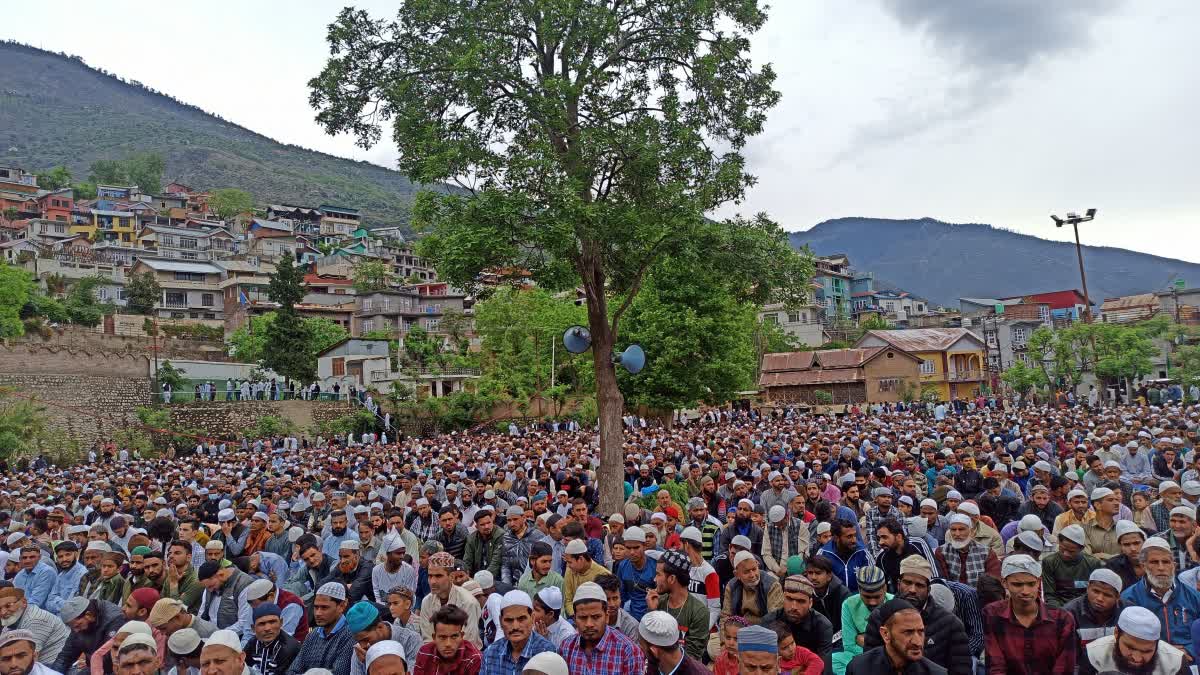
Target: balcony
point(965, 376)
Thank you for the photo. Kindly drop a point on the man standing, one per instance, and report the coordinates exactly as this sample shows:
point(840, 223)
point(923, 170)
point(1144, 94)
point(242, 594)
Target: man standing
point(596, 640)
point(1025, 636)
point(903, 636)
point(670, 594)
point(703, 581)
point(509, 654)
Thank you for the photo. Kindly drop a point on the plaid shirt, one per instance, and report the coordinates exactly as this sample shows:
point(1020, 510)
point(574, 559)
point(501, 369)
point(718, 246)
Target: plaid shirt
point(468, 661)
point(874, 518)
point(497, 658)
point(615, 654)
point(1048, 647)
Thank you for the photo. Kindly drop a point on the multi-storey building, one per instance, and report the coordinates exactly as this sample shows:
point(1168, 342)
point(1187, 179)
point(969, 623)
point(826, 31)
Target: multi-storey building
point(189, 289)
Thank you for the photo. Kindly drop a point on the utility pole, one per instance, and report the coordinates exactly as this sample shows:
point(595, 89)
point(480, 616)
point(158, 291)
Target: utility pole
point(1074, 219)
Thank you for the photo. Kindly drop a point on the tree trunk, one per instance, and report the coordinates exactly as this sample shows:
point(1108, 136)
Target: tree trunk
point(611, 405)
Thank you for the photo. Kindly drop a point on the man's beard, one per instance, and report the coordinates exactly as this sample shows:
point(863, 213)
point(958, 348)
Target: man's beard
point(1158, 582)
point(338, 531)
point(1127, 668)
point(10, 621)
point(959, 545)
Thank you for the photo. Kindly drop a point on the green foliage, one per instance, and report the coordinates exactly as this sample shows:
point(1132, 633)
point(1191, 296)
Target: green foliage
point(22, 425)
point(142, 293)
point(773, 339)
point(1021, 378)
point(287, 349)
point(823, 397)
point(143, 169)
point(271, 425)
point(909, 391)
point(698, 339)
point(371, 275)
point(678, 492)
point(358, 422)
point(401, 393)
point(590, 130)
point(16, 289)
point(518, 331)
point(11, 213)
point(84, 190)
point(227, 203)
point(287, 283)
point(250, 342)
point(169, 374)
point(45, 307)
point(55, 179)
point(81, 303)
point(158, 418)
point(1112, 351)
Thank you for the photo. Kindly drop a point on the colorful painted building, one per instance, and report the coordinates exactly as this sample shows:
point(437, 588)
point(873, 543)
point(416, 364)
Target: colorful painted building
point(952, 360)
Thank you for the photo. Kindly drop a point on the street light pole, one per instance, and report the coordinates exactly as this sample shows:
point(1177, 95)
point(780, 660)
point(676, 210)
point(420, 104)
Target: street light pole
point(1075, 219)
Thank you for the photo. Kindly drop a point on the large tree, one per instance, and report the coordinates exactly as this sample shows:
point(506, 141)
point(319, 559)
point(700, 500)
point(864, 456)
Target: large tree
point(287, 347)
point(142, 293)
point(227, 203)
point(591, 137)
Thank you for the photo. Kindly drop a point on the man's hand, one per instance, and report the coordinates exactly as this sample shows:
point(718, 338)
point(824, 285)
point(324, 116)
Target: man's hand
point(652, 598)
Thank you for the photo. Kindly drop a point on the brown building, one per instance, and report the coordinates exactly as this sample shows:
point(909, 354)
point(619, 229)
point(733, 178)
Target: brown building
point(868, 375)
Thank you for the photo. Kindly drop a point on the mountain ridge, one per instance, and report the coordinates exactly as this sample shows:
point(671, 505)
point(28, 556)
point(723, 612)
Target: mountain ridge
point(56, 109)
point(943, 261)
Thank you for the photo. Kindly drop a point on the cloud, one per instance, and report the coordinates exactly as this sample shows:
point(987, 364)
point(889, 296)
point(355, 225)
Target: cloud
point(987, 45)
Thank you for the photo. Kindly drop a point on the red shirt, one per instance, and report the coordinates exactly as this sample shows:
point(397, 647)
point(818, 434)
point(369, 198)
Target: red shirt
point(1046, 647)
point(467, 661)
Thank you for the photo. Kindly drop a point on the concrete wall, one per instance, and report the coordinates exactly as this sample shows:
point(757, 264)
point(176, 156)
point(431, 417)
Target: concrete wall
point(899, 367)
point(92, 339)
point(86, 394)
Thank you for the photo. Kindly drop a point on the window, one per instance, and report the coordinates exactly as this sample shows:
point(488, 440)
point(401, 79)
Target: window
point(206, 299)
point(187, 242)
point(889, 383)
point(187, 255)
point(771, 318)
point(176, 299)
point(121, 293)
point(1018, 336)
point(339, 367)
point(432, 324)
point(189, 276)
point(793, 317)
point(368, 325)
point(102, 294)
point(926, 367)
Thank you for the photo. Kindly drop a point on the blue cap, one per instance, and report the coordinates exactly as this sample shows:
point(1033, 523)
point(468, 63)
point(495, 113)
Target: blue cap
point(361, 616)
point(757, 639)
point(266, 609)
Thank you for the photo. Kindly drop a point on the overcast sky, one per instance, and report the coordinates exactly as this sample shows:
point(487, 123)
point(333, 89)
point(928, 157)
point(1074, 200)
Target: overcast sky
point(992, 111)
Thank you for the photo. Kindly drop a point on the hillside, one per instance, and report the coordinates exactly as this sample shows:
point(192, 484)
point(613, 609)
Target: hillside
point(943, 262)
point(55, 109)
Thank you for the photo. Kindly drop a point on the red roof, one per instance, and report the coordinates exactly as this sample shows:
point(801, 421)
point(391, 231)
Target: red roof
point(314, 279)
point(1056, 299)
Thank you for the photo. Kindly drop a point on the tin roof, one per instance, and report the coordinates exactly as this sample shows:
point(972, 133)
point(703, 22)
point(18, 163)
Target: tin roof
point(1129, 302)
point(922, 339)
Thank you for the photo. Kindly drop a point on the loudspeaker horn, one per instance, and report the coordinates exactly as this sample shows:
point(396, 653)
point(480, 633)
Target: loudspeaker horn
point(577, 339)
point(633, 359)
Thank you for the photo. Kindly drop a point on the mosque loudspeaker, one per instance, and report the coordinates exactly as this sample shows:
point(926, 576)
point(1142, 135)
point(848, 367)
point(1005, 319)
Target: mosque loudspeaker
point(633, 359)
point(577, 339)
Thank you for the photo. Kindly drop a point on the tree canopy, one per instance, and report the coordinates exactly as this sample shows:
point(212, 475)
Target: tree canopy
point(592, 138)
point(227, 203)
point(142, 293)
point(143, 169)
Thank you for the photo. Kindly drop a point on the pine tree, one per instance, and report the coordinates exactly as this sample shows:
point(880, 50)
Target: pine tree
point(286, 350)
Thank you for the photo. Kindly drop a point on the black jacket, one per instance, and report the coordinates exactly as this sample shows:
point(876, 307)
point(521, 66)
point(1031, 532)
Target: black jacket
point(274, 658)
point(109, 620)
point(875, 661)
point(830, 605)
point(945, 639)
point(358, 582)
point(1123, 566)
point(814, 633)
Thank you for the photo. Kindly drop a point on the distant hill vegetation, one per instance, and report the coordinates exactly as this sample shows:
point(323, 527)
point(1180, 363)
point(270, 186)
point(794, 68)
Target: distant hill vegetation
point(944, 261)
point(55, 109)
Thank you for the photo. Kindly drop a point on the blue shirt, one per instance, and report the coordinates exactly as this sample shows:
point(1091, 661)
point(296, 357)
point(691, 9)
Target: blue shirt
point(67, 583)
point(39, 587)
point(333, 542)
point(630, 577)
point(497, 658)
point(272, 563)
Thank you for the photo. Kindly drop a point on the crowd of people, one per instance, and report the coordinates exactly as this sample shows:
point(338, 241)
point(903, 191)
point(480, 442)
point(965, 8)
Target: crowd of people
point(983, 539)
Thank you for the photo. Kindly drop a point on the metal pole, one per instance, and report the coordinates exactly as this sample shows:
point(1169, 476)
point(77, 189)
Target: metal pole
point(1082, 274)
point(553, 351)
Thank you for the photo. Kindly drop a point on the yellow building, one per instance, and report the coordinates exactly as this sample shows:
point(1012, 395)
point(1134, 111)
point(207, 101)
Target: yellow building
point(116, 226)
point(952, 359)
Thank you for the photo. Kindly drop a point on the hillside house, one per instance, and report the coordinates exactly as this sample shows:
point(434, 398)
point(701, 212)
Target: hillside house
point(1065, 306)
point(951, 359)
point(189, 289)
point(1129, 308)
point(869, 375)
point(15, 179)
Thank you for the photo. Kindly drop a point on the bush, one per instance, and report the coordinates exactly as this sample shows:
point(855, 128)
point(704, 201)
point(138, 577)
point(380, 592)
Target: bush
point(823, 397)
point(679, 495)
point(271, 425)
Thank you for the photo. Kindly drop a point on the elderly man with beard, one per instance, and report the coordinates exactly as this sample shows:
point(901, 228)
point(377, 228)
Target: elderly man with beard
point(903, 638)
point(1134, 648)
point(92, 623)
point(753, 593)
point(963, 559)
point(946, 638)
point(19, 654)
point(1180, 533)
point(353, 572)
point(1170, 495)
point(51, 633)
point(1160, 592)
point(1024, 635)
point(809, 629)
